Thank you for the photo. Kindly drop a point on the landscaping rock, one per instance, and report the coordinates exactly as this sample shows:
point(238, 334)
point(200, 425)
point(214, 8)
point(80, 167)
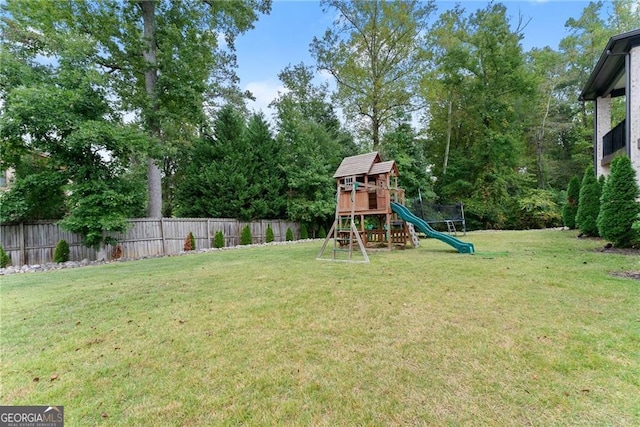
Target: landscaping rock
point(85, 262)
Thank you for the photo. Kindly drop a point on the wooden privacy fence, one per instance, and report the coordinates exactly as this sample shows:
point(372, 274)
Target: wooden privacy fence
point(33, 243)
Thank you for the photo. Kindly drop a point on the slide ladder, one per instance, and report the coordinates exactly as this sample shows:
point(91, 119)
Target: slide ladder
point(451, 227)
point(405, 214)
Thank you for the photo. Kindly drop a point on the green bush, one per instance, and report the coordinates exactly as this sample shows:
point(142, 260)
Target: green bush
point(245, 237)
point(636, 227)
point(619, 208)
point(61, 252)
point(4, 258)
point(269, 237)
point(538, 210)
point(322, 233)
point(289, 235)
point(588, 204)
point(218, 240)
point(570, 209)
point(304, 232)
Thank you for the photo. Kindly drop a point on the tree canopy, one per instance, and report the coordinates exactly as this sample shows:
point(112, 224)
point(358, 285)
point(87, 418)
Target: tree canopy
point(101, 99)
point(375, 54)
point(160, 60)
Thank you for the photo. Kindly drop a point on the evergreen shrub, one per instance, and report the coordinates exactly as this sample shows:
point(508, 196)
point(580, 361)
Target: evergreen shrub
point(218, 240)
point(117, 252)
point(304, 231)
point(4, 258)
point(269, 237)
point(289, 235)
point(61, 252)
point(322, 233)
point(619, 208)
point(570, 209)
point(189, 243)
point(602, 181)
point(588, 204)
point(245, 237)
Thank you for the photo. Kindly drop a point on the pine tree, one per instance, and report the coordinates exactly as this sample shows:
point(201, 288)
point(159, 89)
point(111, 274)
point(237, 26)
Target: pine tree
point(245, 237)
point(619, 207)
point(571, 208)
point(269, 237)
point(588, 204)
point(218, 240)
point(189, 243)
point(289, 235)
point(304, 232)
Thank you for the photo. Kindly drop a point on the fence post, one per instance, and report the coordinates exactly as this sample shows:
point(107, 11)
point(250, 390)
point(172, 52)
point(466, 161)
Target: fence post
point(23, 257)
point(164, 242)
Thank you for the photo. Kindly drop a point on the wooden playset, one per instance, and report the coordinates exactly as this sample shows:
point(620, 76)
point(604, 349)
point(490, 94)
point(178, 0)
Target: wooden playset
point(370, 211)
point(365, 188)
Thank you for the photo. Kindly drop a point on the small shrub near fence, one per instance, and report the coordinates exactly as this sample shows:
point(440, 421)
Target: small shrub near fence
point(4, 258)
point(246, 238)
point(218, 240)
point(269, 237)
point(189, 243)
point(61, 253)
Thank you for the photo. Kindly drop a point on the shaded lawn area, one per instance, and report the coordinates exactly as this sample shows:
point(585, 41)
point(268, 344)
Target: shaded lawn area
point(531, 330)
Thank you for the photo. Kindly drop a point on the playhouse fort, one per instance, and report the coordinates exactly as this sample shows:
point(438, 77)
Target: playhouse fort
point(370, 210)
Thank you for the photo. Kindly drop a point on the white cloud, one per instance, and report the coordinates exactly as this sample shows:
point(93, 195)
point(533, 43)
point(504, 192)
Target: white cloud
point(265, 92)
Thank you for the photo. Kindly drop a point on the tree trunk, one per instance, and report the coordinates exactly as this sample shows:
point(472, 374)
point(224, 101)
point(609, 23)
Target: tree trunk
point(448, 145)
point(540, 171)
point(375, 130)
point(539, 145)
point(154, 177)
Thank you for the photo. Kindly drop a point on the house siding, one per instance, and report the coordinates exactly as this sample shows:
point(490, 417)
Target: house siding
point(634, 100)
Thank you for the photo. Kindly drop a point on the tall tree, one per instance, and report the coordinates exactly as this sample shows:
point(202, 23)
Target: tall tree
point(313, 142)
point(216, 180)
point(480, 59)
point(63, 117)
point(375, 53)
point(402, 144)
point(269, 178)
point(161, 58)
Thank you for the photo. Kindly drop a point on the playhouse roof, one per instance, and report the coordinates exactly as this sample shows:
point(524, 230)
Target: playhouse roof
point(364, 164)
point(383, 167)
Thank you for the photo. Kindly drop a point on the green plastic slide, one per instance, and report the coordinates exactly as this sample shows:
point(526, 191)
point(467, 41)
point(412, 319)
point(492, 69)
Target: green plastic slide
point(405, 214)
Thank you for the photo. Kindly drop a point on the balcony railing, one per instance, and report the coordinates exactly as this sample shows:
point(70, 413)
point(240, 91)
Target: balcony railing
point(613, 140)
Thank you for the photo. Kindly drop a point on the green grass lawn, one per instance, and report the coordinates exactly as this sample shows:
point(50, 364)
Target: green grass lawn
point(531, 330)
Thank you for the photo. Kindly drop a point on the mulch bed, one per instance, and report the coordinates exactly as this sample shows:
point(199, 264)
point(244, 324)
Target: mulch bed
point(626, 274)
point(622, 251)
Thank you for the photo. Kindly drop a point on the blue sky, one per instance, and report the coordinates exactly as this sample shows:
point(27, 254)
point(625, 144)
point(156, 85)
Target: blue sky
point(283, 37)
